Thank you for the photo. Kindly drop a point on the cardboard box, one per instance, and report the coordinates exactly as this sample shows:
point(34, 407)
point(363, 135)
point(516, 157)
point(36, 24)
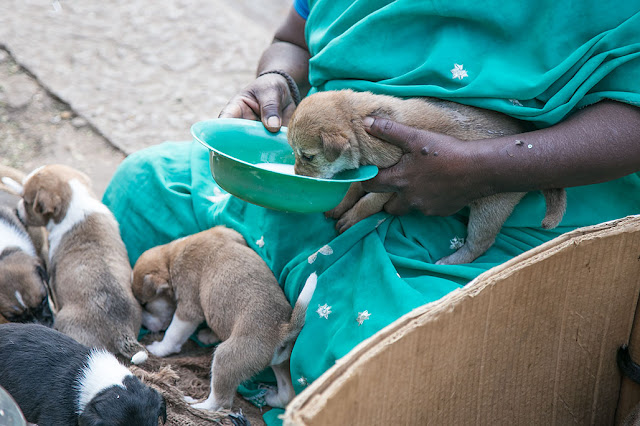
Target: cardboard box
point(532, 341)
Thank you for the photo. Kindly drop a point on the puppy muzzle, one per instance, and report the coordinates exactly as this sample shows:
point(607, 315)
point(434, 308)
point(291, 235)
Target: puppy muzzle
point(304, 170)
point(41, 314)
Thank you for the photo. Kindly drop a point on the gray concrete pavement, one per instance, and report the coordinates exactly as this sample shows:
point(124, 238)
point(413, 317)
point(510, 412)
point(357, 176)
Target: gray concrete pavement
point(37, 129)
point(137, 72)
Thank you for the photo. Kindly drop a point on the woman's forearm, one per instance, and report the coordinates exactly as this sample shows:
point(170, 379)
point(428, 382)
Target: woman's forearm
point(439, 174)
point(597, 144)
point(288, 52)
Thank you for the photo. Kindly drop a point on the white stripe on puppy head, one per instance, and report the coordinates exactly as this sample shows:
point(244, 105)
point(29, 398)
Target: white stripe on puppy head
point(19, 299)
point(102, 371)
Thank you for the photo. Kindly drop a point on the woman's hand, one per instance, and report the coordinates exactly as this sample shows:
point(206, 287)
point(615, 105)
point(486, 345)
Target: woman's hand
point(435, 175)
point(596, 144)
point(267, 99)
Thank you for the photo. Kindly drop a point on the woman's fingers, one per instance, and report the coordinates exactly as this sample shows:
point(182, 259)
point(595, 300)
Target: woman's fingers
point(397, 134)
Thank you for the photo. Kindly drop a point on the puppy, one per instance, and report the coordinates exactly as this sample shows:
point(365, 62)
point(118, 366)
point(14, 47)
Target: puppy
point(327, 137)
point(57, 381)
point(214, 276)
point(23, 278)
point(90, 275)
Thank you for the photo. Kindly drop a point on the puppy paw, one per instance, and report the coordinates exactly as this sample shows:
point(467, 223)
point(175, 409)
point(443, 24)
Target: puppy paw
point(207, 337)
point(275, 399)
point(207, 405)
point(189, 400)
point(334, 213)
point(345, 222)
point(161, 349)
point(456, 258)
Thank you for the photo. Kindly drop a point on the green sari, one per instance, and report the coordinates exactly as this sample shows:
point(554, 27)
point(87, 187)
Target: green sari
point(537, 62)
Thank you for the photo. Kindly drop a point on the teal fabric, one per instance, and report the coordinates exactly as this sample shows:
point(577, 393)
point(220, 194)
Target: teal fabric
point(382, 265)
point(535, 60)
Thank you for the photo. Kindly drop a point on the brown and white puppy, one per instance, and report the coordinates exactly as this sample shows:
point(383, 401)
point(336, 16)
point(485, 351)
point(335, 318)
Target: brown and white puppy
point(23, 277)
point(214, 276)
point(327, 136)
point(23, 280)
point(90, 275)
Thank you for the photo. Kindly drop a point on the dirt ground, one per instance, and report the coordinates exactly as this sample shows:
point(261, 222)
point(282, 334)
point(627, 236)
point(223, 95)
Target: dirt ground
point(36, 129)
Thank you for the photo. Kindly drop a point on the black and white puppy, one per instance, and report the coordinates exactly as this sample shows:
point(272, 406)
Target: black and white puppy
point(57, 381)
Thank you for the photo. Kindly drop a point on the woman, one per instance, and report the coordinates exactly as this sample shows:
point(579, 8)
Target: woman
point(567, 70)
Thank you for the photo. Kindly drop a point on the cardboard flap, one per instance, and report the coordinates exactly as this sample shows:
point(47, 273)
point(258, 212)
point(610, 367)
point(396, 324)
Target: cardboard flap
point(531, 341)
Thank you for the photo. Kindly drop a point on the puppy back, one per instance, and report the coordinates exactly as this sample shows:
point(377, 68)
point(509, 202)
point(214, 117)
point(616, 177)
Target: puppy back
point(231, 278)
point(461, 121)
point(342, 113)
point(91, 278)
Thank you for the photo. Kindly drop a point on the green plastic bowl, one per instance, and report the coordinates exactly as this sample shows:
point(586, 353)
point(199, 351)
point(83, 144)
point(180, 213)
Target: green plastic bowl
point(237, 146)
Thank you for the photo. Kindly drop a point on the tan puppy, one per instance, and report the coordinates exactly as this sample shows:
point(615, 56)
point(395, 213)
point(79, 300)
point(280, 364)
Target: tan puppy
point(214, 276)
point(90, 275)
point(327, 137)
point(23, 278)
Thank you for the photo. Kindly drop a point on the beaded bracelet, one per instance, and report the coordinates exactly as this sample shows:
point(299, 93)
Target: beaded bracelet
point(293, 87)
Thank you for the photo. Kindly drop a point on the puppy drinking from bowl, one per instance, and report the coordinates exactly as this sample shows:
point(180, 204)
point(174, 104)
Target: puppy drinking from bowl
point(56, 381)
point(90, 275)
point(214, 276)
point(327, 135)
point(23, 278)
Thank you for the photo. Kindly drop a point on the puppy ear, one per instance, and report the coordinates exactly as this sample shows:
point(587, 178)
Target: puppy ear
point(42, 272)
point(153, 285)
point(45, 203)
point(334, 144)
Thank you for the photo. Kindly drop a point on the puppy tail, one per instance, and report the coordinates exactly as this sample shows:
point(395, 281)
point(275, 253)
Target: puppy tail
point(131, 348)
point(300, 310)
point(556, 205)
